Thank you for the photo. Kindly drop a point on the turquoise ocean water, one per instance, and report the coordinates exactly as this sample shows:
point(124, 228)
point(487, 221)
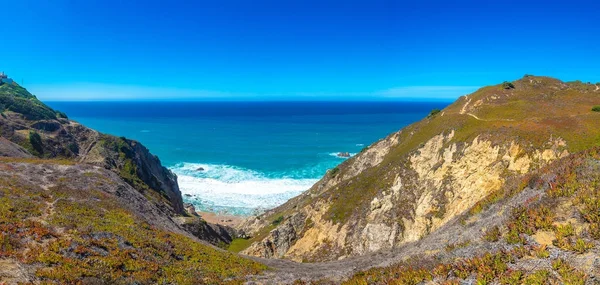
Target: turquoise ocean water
point(255, 155)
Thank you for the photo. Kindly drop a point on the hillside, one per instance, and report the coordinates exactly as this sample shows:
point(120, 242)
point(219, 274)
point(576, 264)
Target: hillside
point(68, 223)
point(414, 182)
point(81, 207)
point(46, 133)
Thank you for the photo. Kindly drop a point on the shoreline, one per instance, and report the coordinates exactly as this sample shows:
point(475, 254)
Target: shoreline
point(221, 219)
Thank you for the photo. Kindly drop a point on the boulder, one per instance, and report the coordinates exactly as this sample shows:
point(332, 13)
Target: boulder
point(190, 209)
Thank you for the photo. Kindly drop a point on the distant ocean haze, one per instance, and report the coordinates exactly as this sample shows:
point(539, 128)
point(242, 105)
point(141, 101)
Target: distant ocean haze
point(244, 157)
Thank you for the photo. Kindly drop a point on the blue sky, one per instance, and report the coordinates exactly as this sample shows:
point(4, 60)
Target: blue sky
point(292, 50)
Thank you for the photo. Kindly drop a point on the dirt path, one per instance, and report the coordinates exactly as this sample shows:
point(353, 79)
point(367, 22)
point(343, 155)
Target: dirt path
point(484, 120)
point(90, 146)
point(464, 108)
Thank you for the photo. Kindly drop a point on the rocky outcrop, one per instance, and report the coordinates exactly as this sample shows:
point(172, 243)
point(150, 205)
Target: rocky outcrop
point(190, 209)
point(280, 240)
point(62, 138)
point(218, 235)
point(10, 149)
point(136, 165)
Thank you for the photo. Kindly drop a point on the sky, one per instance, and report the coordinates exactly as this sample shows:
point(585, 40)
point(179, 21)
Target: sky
point(292, 50)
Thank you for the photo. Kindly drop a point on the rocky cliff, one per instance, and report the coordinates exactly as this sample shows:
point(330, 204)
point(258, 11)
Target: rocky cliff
point(415, 181)
point(30, 128)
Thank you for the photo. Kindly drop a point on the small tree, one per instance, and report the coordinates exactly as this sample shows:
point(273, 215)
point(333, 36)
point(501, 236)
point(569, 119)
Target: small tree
point(508, 85)
point(596, 108)
point(433, 113)
point(36, 142)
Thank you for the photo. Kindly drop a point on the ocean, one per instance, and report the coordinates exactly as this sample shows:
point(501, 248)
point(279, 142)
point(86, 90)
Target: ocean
point(254, 155)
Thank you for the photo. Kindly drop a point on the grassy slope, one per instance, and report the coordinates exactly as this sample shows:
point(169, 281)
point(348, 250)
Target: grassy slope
point(537, 109)
point(17, 99)
point(529, 114)
point(68, 235)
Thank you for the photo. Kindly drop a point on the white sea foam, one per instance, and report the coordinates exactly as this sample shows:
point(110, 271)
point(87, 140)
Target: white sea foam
point(336, 154)
point(360, 144)
point(235, 190)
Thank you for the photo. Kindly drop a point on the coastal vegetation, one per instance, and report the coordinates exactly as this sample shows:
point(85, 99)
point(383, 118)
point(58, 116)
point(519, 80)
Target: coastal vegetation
point(68, 235)
point(433, 113)
point(508, 85)
point(16, 99)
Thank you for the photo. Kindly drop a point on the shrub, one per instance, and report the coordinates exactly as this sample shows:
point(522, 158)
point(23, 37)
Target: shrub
point(566, 238)
point(334, 171)
point(568, 274)
point(541, 251)
point(433, 113)
point(492, 235)
point(73, 147)
point(277, 221)
point(36, 142)
point(581, 246)
point(60, 114)
point(508, 85)
point(596, 108)
point(537, 278)
point(512, 278)
point(527, 75)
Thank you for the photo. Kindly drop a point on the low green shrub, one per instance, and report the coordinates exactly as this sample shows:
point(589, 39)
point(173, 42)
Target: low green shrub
point(433, 113)
point(277, 221)
point(36, 142)
point(508, 85)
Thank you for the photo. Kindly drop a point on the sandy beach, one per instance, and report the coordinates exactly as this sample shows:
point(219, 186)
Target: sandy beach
point(223, 219)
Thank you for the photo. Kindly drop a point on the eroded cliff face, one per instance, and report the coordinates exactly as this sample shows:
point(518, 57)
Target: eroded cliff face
point(437, 182)
point(419, 179)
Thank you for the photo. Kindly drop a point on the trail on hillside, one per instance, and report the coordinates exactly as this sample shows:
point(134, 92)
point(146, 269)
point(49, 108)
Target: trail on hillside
point(486, 120)
point(464, 108)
